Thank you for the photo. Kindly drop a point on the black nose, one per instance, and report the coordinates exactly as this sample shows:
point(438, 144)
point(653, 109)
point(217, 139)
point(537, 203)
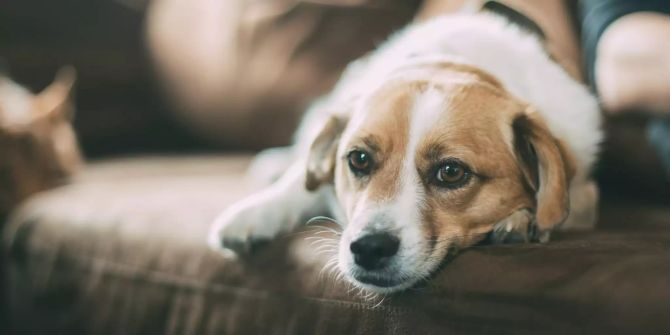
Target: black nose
point(372, 251)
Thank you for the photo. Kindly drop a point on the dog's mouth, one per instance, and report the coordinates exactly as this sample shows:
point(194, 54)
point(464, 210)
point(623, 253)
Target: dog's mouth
point(383, 282)
point(392, 281)
point(378, 281)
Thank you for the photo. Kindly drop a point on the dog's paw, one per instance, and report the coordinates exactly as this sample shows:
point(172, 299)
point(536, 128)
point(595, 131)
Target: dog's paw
point(245, 226)
point(519, 227)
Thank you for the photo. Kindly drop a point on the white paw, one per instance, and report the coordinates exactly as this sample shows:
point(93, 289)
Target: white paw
point(246, 225)
point(518, 228)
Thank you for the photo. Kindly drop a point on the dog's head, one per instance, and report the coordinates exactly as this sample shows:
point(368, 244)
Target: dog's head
point(427, 164)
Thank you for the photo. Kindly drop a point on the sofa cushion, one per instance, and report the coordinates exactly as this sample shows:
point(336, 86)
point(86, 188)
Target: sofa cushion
point(122, 250)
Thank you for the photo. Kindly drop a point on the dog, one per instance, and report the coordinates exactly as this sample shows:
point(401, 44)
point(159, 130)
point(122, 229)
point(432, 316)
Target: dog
point(456, 130)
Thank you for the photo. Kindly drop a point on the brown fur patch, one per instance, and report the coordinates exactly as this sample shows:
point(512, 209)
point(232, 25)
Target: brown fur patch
point(471, 131)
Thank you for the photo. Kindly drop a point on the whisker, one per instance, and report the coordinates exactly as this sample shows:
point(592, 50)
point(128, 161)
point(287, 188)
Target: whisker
point(320, 219)
point(330, 266)
point(325, 240)
point(381, 301)
point(325, 247)
point(326, 231)
point(325, 252)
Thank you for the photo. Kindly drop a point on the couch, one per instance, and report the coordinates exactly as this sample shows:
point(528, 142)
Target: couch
point(122, 250)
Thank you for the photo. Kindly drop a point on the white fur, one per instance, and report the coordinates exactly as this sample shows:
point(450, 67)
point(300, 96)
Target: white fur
point(410, 201)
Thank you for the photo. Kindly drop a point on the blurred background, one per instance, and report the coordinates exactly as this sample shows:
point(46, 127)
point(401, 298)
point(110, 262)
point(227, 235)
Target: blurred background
point(119, 105)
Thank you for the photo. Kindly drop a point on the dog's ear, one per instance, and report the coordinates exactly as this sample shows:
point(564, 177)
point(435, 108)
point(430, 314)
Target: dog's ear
point(54, 101)
point(322, 153)
point(547, 168)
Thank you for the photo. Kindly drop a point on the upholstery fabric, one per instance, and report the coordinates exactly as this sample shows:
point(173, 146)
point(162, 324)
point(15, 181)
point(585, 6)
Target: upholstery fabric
point(122, 251)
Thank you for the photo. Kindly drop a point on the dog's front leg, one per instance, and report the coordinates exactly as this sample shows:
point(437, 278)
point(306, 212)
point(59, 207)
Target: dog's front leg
point(260, 217)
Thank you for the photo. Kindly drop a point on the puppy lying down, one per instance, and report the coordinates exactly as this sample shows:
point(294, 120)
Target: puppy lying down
point(455, 130)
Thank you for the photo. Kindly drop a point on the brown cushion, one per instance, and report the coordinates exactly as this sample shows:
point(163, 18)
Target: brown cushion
point(122, 250)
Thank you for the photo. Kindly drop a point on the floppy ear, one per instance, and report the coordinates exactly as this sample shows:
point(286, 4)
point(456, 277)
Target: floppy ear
point(322, 154)
point(546, 166)
point(54, 100)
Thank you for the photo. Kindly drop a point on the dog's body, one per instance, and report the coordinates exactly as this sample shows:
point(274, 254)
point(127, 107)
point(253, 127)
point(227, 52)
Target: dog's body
point(455, 128)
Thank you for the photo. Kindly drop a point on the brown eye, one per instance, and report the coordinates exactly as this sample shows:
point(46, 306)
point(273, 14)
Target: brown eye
point(360, 162)
point(452, 174)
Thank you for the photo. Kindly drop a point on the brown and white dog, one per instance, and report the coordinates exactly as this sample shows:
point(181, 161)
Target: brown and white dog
point(455, 129)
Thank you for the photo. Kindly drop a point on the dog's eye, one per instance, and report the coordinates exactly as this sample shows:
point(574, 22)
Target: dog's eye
point(452, 174)
point(360, 162)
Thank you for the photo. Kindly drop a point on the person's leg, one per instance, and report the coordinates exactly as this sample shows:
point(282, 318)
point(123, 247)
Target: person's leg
point(243, 71)
point(632, 71)
point(627, 54)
